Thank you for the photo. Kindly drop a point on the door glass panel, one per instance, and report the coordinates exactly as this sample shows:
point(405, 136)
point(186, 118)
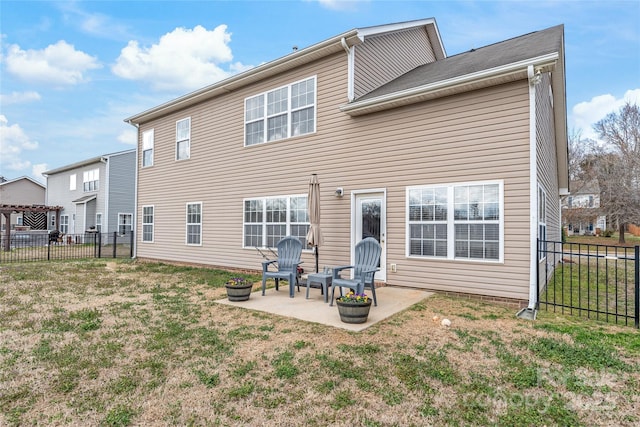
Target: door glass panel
point(371, 219)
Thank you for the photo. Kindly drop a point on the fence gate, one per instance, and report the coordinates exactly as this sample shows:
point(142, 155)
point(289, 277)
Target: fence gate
point(595, 281)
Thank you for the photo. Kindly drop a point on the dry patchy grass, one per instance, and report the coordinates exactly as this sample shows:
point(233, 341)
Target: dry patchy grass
point(126, 343)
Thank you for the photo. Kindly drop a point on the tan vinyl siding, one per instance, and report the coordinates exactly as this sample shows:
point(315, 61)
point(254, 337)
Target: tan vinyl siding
point(382, 58)
point(547, 159)
point(478, 136)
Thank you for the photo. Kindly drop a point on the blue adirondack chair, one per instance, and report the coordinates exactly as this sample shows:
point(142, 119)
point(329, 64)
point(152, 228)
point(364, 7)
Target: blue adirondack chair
point(367, 260)
point(289, 251)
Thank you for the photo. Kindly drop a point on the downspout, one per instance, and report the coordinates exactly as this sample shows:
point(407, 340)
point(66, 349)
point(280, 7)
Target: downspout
point(350, 71)
point(134, 220)
point(530, 311)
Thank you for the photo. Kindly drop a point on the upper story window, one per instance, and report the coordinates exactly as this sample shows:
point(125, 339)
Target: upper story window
point(147, 148)
point(183, 139)
point(281, 113)
point(457, 221)
point(72, 182)
point(91, 180)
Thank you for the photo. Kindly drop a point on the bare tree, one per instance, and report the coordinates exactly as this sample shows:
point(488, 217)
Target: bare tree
point(616, 165)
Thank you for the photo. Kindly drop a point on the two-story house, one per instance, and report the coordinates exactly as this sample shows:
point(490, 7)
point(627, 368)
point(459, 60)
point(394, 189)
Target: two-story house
point(23, 191)
point(95, 194)
point(454, 163)
point(580, 209)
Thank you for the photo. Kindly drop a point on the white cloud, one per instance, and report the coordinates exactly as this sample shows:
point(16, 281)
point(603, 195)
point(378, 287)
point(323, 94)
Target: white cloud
point(36, 172)
point(57, 64)
point(129, 137)
point(340, 4)
point(19, 98)
point(184, 59)
point(586, 114)
point(95, 24)
point(13, 141)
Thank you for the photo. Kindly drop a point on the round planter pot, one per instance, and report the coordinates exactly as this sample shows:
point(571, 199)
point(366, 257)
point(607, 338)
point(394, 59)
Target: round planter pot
point(354, 312)
point(239, 293)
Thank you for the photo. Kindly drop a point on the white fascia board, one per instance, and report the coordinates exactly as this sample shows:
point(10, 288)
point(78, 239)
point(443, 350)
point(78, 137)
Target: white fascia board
point(387, 28)
point(545, 63)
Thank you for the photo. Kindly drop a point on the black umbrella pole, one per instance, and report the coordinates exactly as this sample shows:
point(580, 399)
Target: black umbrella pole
point(316, 259)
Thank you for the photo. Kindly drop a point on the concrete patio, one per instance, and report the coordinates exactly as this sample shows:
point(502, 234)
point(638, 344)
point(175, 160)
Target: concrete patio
point(391, 300)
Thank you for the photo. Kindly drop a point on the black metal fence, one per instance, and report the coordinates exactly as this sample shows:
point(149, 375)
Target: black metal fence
point(596, 281)
point(43, 246)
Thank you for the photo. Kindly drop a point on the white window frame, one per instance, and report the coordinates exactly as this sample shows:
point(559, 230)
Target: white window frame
point(148, 226)
point(91, 180)
point(147, 147)
point(285, 112)
point(262, 219)
point(451, 222)
point(73, 182)
point(542, 220)
point(122, 223)
point(99, 221)
point(189, 223)
point(64, 224)
point(183, 139)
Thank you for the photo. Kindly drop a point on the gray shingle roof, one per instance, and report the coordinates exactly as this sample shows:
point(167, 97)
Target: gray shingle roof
point(510, 51)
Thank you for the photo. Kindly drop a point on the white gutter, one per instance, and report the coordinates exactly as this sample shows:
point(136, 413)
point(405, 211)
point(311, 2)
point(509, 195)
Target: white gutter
point(543, 63)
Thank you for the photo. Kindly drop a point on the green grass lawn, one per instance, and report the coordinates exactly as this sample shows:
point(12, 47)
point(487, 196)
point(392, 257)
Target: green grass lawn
point(118, 343)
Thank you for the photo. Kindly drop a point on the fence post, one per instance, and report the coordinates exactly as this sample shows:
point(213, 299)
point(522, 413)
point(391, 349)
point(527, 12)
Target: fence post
point(49, 249)
point(99, 244)
point(131, 244)
point(115, 243)
point(637, 291)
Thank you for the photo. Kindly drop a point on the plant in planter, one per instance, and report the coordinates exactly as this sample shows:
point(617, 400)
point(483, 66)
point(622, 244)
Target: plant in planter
point(354, 308)
point(238, 289)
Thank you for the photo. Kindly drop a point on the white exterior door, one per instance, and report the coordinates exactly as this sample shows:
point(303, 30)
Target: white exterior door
point(369, 220)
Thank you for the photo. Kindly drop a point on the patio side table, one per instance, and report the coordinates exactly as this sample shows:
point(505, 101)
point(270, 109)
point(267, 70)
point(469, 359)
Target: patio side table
point(324, 279)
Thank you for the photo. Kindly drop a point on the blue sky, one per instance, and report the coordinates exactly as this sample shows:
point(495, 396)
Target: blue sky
point(72, 71)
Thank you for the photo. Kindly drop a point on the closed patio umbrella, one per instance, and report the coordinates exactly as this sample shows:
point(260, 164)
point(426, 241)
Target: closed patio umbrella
point(314, 236)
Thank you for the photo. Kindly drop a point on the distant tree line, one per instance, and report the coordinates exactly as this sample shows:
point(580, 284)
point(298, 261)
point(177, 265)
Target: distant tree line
point(613, 163)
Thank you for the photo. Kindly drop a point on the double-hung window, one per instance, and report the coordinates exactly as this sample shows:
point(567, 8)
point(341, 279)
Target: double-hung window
point(147, 223)
point(281, 113)
point(542, 222)
point(64, 224)
point(91, 180)
point(194, 223)
point(269, 219)
point(72, 182)
point(124, 223)
point(183, 139)
point(147, 148)
point(456, 221)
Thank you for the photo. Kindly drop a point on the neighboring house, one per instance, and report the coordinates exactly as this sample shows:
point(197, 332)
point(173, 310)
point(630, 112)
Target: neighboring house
point(23, 191)
point(95, 194)
point(455, 164)
point(580, 210)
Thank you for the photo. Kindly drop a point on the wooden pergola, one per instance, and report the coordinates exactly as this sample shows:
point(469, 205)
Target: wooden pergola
point(7, 210)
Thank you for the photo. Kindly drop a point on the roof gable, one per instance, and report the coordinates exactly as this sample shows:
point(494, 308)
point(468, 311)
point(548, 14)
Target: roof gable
point(11, 181)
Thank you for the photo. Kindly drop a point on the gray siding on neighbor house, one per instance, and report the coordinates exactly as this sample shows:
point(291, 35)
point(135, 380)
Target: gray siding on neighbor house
point(476, 136)
point(116, 179)
point(121, 189)
point(59, 194)
point(384, 57)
